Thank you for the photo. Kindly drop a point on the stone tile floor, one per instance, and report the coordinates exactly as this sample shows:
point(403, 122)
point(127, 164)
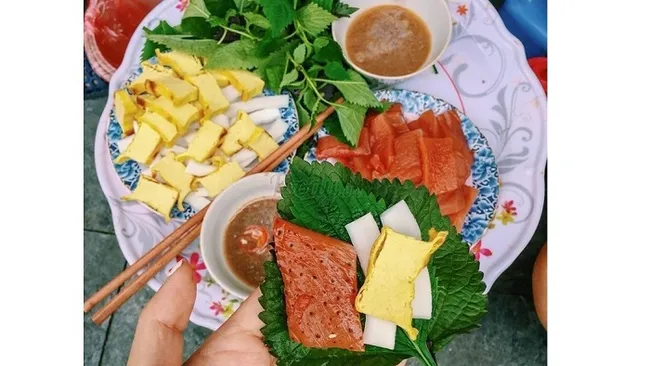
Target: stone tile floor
point(510, 333)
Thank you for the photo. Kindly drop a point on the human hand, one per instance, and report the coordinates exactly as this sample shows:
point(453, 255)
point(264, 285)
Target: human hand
point(159, 334)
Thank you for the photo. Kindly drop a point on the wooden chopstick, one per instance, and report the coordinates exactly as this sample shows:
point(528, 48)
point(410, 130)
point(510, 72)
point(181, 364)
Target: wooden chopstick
point(184, 235)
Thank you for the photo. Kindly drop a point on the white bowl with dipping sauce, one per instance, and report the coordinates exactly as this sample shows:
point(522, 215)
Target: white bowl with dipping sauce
point(435, 15)
point(218, 217)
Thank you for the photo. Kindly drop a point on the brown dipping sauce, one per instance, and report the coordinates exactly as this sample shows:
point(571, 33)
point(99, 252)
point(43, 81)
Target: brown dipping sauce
point(248, 238)
point(388, 40)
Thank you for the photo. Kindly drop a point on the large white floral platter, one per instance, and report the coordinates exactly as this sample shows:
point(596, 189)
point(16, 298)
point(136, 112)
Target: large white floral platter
point(483, 73)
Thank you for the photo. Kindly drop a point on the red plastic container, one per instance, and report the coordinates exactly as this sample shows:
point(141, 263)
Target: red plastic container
point(538, 64)
point(109, 25)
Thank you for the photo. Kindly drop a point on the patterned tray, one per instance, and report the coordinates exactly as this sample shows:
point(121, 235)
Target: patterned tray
point(483, 73)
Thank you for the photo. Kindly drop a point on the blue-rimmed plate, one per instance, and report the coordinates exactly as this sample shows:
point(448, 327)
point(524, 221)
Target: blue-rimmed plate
point(129, 171)
point(485, 176)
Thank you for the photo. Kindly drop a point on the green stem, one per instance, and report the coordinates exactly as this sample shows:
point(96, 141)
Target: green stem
point(309, 81)
point(425, 357)
point(244, 34)
point(291, 35)
point(223, 36)
point(302, 35)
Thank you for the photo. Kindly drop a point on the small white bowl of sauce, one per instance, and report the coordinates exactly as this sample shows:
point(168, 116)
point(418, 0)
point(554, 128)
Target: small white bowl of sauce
point(393, 40)
point(236, 232)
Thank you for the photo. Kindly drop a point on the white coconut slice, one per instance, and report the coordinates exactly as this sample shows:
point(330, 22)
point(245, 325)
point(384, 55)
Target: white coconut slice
point(202, 192)
point(256, 104)
point(244, 157)
point(221, 120)
point(186, 139)
point(265, 116)
point(194, 126)
point(277, 129)
point(231, 93)
point(124, 143)
point(197, 202)
point(198, 169)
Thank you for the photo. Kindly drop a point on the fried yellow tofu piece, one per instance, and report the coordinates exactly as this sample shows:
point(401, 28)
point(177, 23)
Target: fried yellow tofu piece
point(248, 84)
point(173, 173)
point(240, 132)
point(182, 115)
point(217, 181)
point(395, 262)
point(210, 95)
point(156, 195)
point(220, 75)
point(125, 111)
point(167, 130)
point(182, 63)
point(179, 91)
point(262, 143)
point(144, 147)
point(204, 144)
point(149, 72)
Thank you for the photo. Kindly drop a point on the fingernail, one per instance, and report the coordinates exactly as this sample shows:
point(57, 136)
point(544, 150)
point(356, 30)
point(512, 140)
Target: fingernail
point(175, 267)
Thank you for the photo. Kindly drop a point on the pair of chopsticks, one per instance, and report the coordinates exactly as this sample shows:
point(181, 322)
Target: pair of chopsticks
point(183, 236)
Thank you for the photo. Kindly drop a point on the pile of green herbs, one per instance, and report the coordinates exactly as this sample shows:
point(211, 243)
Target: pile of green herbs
point(287, 43)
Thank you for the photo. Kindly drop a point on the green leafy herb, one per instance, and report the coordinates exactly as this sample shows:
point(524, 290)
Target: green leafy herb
point(343, 10)
point(303, 116)
point(197, 47)
point(289, 77)
point(299, 54)
point(314, 19)
point(351, 117)
point(280, 14)
point(257, 19)
point(336, 71)
point(197, 27)
point(321, 42)
point(274, 76)
point(324, 198)
point(196, 9)
point(356, 90)
point(149, 49)
point(325, 4)
point(236, 55)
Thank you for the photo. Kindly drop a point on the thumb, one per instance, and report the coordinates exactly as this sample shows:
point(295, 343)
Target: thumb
point(159, 335)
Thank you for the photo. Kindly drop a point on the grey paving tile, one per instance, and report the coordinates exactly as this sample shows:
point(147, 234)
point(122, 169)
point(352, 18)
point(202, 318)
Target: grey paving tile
point(120, 335)
point(97, 214)
point(510, 334)
point(102, 261)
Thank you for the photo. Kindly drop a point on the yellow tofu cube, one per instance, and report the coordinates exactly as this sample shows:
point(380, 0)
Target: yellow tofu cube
point(199, 108)
point(149, 72)
point(173, 173)
point(248, 84)
point(182, 63)
point(179, 91)
point(220, 75)
point(182, 115)
point(154, 194)
point(395, 261)
point(263, 145)
point(144, 147)
point(240, 132)
point(204, 144)
point(165, 129)
point(217, 181)
point(125, 111)
point(219, 159)
point(210, 95)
